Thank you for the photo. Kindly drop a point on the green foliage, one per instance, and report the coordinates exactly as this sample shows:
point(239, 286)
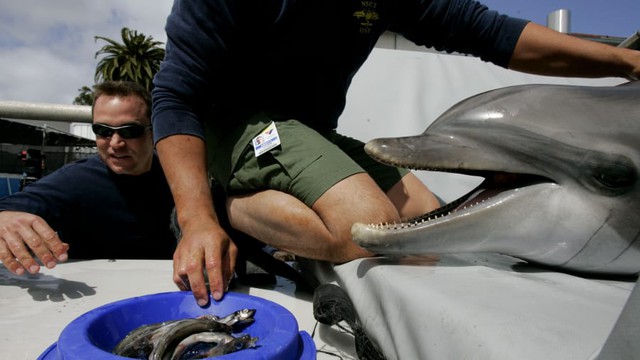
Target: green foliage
point(85, 97)
point(137, 58)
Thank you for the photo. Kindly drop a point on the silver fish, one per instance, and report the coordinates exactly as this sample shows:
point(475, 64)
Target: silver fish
point(562, 181)
point(186, 348)
point(148, 341)
point(241, 317)
point(168, 342)
point(207, 345)
point(140, 341)
point(237, 344)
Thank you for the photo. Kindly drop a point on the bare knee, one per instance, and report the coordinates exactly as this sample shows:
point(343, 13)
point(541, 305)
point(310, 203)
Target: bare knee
point(322, 232)
point(282, 221)
point(412, 198)
point(354, 199)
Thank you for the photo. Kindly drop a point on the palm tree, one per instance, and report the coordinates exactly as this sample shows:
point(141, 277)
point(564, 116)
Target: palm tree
point(136, 59)
point(85, 97)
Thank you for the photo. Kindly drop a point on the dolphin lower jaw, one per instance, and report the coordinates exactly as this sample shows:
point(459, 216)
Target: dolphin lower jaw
point(500, 224)
point(459, 228)
point(462, 226)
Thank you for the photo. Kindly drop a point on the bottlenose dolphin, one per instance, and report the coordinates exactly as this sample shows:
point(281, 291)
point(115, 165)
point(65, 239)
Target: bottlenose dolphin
point(561, 178)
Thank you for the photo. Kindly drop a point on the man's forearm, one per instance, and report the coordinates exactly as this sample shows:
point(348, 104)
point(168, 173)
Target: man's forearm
point(183, 159)
point(543, 51)
point(204, 244)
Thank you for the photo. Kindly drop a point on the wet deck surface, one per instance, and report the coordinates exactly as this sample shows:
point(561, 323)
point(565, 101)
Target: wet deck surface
point(36, 308)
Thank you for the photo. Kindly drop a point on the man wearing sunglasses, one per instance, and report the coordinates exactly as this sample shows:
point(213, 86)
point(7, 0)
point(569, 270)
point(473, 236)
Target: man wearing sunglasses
point(116, 204)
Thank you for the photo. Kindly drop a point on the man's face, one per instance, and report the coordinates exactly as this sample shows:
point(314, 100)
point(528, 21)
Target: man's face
point(123, 156)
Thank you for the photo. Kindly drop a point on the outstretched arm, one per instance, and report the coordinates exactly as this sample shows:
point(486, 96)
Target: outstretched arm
point(204, 244)
point(544, 51)
point(23, 236)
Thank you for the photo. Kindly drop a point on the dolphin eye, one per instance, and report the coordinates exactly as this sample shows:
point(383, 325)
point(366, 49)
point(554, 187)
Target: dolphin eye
point(618, 175)
point(611, 173)
point(616, 180)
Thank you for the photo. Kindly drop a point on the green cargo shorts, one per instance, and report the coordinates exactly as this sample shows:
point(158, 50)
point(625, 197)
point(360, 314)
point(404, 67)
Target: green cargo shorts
point(305, 164)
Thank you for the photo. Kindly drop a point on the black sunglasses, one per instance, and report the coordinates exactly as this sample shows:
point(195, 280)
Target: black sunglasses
point(130, 131)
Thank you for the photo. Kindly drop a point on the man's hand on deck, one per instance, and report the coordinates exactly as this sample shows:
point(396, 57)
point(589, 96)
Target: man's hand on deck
point(207, 247)
point(24, 236)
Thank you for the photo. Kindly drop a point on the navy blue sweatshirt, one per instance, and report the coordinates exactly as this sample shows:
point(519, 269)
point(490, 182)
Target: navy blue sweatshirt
point(296, 58)
point(100, 214)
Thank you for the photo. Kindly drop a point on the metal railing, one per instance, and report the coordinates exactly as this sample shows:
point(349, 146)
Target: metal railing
point(44, 111)
point(632, 42)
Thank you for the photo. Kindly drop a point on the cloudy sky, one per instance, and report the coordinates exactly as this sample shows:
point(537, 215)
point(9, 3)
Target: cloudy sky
point(47, 47)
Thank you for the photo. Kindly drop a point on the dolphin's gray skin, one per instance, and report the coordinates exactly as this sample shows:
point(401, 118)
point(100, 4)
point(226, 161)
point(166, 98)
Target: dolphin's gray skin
point(562, 184)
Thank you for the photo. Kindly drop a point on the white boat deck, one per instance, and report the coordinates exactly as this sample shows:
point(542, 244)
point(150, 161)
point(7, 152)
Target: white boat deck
point(35, 309)
point(454, 307)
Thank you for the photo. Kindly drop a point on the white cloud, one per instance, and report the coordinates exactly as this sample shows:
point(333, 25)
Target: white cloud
point(47, 48)
point(40, 75)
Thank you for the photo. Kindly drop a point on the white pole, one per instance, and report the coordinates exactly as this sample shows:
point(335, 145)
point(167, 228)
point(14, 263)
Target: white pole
point(560, 20)
point(43, 111)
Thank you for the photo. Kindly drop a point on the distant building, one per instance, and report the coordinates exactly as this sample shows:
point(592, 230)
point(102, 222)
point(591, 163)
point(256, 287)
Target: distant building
point(38, 150)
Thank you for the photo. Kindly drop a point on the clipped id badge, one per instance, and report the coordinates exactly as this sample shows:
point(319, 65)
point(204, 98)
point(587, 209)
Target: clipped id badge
point(266, 140)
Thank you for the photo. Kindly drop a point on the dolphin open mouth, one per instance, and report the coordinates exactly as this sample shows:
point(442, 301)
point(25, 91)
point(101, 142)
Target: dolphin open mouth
point(496, 187)
point(502, 178)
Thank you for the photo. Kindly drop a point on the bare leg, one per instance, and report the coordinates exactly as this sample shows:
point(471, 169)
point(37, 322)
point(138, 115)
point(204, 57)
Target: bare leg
point(412, 197)
point(322, 232)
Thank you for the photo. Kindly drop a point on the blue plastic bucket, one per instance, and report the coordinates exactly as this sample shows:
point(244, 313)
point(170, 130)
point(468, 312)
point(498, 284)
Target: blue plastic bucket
point(94, 334)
